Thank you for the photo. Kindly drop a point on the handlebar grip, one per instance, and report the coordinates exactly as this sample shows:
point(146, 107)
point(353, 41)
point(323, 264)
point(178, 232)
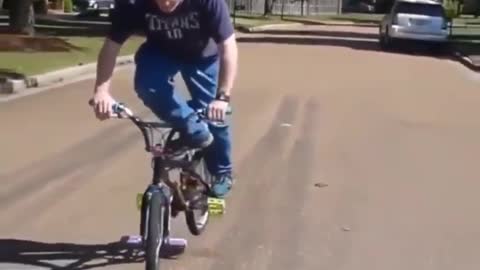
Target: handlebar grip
point(116, 108)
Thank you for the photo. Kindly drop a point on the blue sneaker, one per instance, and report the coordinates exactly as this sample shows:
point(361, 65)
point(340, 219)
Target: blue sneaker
point(222, 184)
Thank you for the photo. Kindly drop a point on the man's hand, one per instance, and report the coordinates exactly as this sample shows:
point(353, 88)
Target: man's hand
point(102, 104)
point(217, 110)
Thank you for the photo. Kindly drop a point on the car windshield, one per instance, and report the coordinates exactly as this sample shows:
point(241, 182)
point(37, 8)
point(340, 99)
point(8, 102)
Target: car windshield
point(420, 9)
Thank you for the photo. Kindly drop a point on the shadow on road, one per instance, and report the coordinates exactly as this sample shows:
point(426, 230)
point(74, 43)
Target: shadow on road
point(9, 73)
point(80, 256)
point(15, 43)
point(326, 33)
point(357, 22)
point(356, 44)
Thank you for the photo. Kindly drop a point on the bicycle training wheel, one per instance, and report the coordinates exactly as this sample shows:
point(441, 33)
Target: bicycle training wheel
point(154, 241)
point(197, 217)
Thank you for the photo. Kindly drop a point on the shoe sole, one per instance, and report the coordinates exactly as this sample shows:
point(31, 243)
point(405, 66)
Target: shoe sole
point(208, 142)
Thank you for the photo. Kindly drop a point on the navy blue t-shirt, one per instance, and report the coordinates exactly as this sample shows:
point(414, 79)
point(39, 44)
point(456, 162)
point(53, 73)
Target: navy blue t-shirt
point(191, 31)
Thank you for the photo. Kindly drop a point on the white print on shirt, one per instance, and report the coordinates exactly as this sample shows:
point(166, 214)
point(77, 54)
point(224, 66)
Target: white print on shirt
point(173, 26)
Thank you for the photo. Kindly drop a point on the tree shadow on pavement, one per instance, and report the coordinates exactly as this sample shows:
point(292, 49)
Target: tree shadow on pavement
point(327, 33)
point(11, 74)
point(16, 43)
point(82, 256)
point(356, 44)
point(357, 22)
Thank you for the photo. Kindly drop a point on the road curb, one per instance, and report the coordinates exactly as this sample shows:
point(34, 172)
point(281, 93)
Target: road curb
point(264, 27)
point(337, 23)
point(465, 60)
point(13, 86)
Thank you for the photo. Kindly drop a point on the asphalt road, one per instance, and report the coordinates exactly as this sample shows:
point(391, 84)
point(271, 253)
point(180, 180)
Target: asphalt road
point(347, 158)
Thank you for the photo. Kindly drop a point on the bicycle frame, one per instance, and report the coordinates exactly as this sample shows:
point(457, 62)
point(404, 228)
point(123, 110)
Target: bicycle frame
point(162, 164)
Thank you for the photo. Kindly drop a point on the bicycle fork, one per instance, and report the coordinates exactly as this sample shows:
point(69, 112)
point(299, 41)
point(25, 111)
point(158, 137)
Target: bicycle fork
point(165, 193)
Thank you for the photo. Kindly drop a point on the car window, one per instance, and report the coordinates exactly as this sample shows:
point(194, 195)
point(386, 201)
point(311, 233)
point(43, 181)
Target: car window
point(419, 9)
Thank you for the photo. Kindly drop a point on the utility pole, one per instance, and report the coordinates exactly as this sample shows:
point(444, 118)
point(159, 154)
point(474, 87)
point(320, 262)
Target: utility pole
point(339, 7)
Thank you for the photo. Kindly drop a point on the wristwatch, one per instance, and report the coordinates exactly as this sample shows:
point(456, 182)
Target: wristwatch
point(221, 95)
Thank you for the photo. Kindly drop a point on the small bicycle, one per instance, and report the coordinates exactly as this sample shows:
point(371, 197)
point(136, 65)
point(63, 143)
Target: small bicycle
point(165, 198)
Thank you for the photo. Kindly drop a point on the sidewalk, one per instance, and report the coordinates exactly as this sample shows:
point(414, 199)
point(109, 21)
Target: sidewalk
point(14, 86)
point(471, 61)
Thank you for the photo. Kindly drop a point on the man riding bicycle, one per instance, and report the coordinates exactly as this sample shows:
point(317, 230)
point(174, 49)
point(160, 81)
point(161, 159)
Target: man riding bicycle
point(195, 38)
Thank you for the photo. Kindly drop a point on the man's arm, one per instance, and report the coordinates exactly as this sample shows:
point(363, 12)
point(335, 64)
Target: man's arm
point(223, 33)
point(228, 53)
point(106, 64)
point(123, 20)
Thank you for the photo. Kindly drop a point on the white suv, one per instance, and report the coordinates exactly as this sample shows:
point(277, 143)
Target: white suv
point(417, 20)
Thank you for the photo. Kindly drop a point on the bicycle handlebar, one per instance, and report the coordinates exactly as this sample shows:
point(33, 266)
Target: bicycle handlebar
point(120, 108)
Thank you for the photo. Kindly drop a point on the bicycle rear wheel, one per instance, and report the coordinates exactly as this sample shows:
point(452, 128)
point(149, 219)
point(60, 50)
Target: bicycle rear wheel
point(155, 221)
point(197, 217)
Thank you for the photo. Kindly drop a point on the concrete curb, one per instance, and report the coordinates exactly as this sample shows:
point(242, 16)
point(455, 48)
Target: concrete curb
point(264, 27)
point(465, 60)
point(275, 26)
point(12, 86)
point(340, 23)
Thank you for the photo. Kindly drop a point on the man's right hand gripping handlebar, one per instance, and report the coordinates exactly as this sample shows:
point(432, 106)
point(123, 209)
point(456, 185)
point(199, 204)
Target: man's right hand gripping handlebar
point(114, 110)
point(103, 104)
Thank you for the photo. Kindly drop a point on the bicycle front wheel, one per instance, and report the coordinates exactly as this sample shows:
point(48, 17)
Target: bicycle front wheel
point(155, 219)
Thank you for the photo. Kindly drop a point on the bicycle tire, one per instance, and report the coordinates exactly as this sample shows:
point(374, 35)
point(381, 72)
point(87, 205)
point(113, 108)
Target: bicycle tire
point(156, 209)
point(197, 219)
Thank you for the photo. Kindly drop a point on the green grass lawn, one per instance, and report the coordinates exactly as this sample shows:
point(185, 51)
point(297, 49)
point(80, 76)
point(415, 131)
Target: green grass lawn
point(30, 63)
point(357, 18)
point(37, 62)
point(467, 20)
point(466, 35)
point(351, 17)
point(247, 21)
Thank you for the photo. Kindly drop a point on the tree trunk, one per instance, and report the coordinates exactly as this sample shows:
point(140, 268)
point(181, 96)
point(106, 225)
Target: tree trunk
point(41, 7)
point(22, 17)
point(59, 4)
point(268, 7)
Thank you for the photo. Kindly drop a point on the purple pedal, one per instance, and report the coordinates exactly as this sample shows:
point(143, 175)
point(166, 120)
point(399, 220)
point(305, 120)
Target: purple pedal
point(171, 246)
point(133, 240)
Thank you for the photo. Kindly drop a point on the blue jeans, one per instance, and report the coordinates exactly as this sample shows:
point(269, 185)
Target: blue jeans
point(154, 85)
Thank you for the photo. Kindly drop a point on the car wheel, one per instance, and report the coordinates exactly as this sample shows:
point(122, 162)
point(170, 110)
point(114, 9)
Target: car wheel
point(385, 42)
point(440, 48)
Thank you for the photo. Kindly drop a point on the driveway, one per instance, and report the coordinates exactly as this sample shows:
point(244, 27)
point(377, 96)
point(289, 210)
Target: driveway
point(347, 158)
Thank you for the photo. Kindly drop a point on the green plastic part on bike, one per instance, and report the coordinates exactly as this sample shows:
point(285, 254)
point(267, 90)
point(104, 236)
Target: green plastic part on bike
point(139, 201)
point(216, 206)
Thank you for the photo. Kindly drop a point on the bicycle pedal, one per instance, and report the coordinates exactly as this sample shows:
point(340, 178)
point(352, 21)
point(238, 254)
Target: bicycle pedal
point(216, 206)
point(139, 201)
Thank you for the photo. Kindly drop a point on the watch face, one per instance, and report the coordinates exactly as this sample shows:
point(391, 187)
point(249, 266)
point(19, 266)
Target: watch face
point(223, 97)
